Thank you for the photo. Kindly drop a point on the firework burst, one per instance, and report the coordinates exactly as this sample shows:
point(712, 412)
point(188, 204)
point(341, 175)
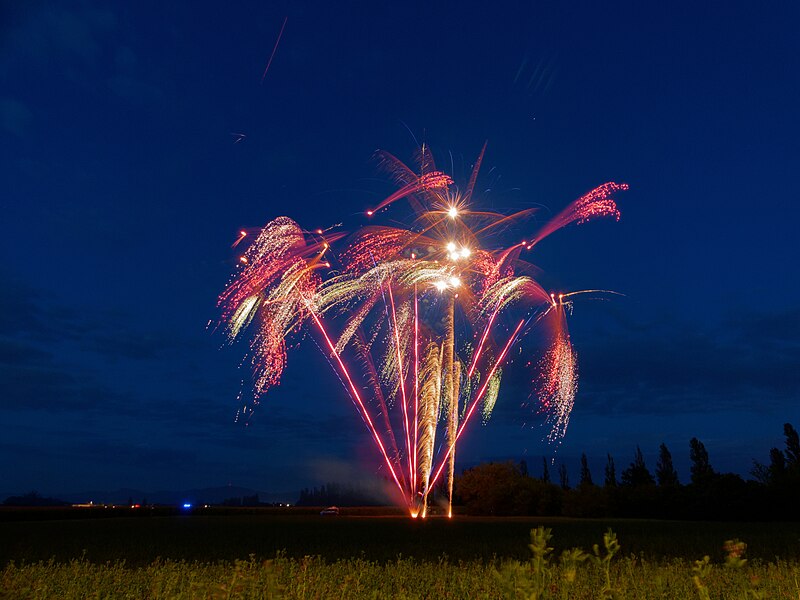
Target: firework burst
point(417, 321)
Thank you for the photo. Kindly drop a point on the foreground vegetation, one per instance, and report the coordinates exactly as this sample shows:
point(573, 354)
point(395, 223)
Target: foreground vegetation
point(288, 554)
point(576, 574)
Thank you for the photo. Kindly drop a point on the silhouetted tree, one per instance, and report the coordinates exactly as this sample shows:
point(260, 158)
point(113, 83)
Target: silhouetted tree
point(636, 474)
point(792, 446)
point(777, 466)
point(505, 489)
point(611, 473)
point(586, 500)
point(251, 500)
point(523, 467)
point(327, 494)
point(784, 467)
point(701, 470)
point(666, 475)
point(496, 489)
point(563, 477)
point(760, 472)
point(586, 475)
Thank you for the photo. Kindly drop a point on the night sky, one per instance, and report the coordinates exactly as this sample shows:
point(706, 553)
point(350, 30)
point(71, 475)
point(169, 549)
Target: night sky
point(122, 188)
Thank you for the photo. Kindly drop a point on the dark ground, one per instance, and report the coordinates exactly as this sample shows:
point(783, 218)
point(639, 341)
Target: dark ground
point(105, 535)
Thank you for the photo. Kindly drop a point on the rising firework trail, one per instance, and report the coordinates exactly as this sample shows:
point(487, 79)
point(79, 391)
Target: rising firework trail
point(417, 321)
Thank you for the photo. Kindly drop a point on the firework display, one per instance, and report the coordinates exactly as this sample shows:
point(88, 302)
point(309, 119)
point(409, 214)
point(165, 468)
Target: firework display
point(418, 321)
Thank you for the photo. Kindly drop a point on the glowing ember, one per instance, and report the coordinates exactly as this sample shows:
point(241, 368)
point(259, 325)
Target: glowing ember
point(387, 299)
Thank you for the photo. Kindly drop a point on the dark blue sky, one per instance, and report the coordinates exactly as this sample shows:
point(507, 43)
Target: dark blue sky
point(122, 189)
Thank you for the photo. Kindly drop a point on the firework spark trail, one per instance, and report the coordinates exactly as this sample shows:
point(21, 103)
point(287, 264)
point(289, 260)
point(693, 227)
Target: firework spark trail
point(363, 410)
point(429, 181)
point(430, 395)
point(505, 292)
point(354, 331)
point(274, 49)
point(416, 385)
point(478, 350)
point(401, 379)
point(597, 203)
point(473, 178)
point(475, 402)
point(451, 383)
point(490, 399)
point(403, 176)
point(428, 275)
point(373, 381)
point(242, 235)
point(452, 427)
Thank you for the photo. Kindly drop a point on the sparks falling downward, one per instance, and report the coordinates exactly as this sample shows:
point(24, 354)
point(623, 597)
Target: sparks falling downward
point(429, 313)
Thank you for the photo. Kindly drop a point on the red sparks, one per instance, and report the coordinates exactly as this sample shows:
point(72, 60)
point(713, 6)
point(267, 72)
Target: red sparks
point(426, 182)
point(597, 203)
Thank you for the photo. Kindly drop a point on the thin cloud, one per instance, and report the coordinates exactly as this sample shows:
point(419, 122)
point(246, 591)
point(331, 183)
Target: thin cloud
point(44, 33)
point(669, 367)
point(677, 368)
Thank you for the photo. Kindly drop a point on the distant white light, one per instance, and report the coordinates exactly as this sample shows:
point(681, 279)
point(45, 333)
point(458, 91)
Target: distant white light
point(452, 212)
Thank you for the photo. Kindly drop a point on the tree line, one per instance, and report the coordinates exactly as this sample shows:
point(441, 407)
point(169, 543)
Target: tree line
point(339, 495)
point(773, 492)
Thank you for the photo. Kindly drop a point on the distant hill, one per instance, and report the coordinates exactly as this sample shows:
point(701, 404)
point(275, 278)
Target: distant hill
point(33, 499)
point(209, 495)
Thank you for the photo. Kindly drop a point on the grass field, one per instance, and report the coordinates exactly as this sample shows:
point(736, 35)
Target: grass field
point(308, 556)
point(231, 535)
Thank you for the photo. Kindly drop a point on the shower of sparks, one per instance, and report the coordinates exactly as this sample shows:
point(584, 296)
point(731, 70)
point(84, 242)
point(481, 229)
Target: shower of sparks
point(416, 321)
point(559, 374)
